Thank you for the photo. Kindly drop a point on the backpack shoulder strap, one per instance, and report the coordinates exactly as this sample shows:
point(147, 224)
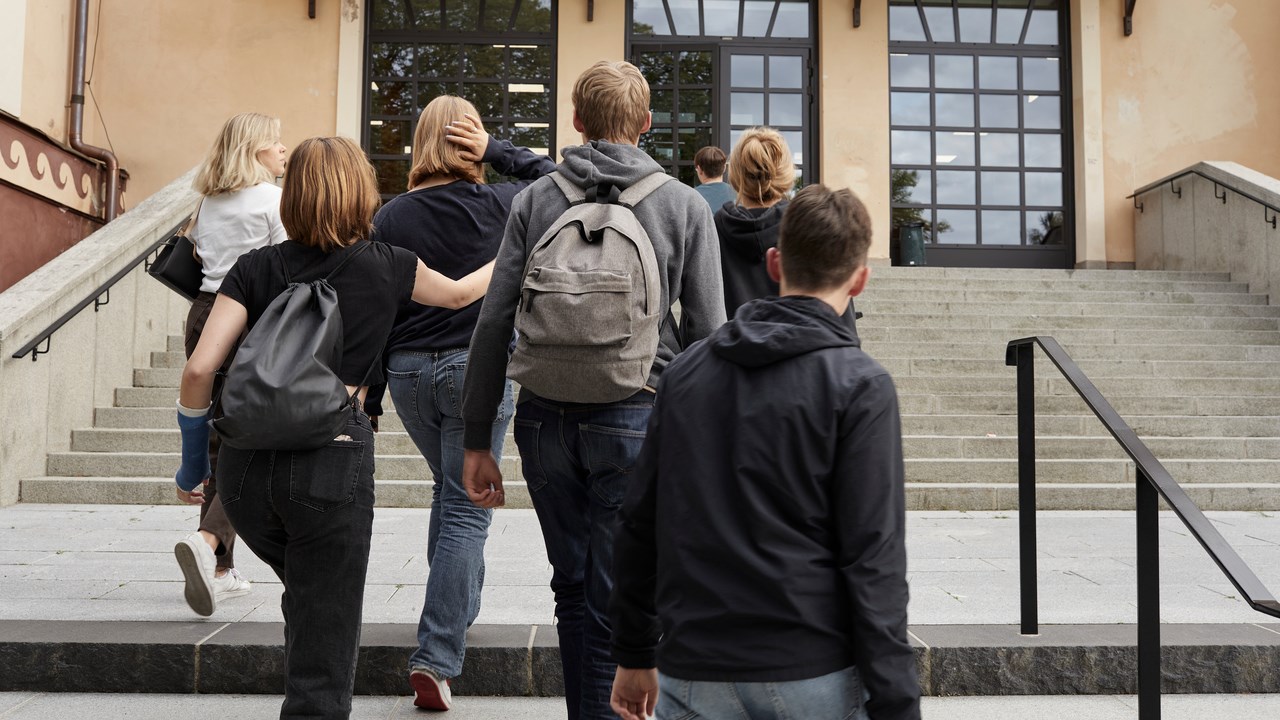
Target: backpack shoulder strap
point(642, 189)
point(574, 193)
point(350, 255)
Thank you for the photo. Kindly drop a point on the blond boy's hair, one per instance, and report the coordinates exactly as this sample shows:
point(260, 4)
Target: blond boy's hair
point(433, 154)
point(612, 101)
point(329, 195)
point(232, 162)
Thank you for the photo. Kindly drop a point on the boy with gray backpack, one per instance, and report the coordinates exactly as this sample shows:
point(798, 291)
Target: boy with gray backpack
point(592, 259)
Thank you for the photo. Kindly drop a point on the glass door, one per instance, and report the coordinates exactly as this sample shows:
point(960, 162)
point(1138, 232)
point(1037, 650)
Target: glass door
point(979, 110)
point(768, 86)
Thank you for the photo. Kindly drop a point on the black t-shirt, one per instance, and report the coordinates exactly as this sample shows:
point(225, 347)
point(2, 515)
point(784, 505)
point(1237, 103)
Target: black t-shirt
point(370, 288)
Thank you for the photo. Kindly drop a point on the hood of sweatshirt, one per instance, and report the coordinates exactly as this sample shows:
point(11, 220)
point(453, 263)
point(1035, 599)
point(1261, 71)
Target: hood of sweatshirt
point(766, 331)
point(605, 162)
point(749, 233)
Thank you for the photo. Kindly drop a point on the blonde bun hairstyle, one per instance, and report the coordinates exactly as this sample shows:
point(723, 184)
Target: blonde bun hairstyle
point(760, 167)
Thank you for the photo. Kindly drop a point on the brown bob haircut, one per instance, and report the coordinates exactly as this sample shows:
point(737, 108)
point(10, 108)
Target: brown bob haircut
point(433, 154)
point(330, 194)
point(612, 101)
point(825, 236)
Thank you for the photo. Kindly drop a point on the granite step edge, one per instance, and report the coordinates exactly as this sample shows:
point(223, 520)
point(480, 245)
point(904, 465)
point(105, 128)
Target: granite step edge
point(523, 660)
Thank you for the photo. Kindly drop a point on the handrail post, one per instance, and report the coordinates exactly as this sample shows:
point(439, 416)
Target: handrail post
point(1027, 489)
point(1148, 598)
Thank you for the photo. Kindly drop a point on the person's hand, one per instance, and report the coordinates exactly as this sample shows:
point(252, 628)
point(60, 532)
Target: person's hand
point(469, 135)
point(195, 497)
point(482, 479)
point(635, 693)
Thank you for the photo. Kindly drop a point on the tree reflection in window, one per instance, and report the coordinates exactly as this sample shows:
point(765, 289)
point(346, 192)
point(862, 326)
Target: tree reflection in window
point(499, 54)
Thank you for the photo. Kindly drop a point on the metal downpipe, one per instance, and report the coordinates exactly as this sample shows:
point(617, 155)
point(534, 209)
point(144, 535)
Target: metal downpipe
point(75, 134)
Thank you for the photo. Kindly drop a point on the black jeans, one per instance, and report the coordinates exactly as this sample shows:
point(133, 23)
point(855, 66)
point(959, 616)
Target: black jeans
point(309, 515)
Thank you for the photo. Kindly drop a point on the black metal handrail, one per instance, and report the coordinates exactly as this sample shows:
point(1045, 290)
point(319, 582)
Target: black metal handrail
point(1177, 190)
point(1153, 482)
point(95, 298)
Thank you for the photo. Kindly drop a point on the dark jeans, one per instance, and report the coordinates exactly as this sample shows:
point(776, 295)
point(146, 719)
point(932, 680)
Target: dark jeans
point(309, 515)
point(212, 518)
point(577, 459)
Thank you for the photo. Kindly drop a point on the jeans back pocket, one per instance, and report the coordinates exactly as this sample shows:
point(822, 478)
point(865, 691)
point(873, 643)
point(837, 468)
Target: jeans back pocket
point(326, 478)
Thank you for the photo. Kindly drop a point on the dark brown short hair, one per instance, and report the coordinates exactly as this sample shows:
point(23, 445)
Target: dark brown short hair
point(825, 236)
point(710, 160)
point(329, 194)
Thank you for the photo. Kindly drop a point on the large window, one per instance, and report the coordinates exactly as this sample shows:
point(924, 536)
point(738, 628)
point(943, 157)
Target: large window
point(717, 67)
point(499, 54)
point(978, 113)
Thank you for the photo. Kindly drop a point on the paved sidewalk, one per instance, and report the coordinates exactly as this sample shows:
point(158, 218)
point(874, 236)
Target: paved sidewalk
point(56, 706)
point(101, 562)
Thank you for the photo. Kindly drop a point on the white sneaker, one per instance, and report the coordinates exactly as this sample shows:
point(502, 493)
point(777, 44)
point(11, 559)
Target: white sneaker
point(196, 560)
point(430, 691)
point(230, 585)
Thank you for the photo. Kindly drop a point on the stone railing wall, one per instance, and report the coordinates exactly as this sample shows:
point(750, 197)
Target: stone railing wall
point(1199, 231)
point(95, 352)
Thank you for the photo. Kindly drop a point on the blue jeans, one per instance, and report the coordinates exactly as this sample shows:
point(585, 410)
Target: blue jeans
point(309, 515)
point(577, 459)
point(837, 696)
point(427, 391)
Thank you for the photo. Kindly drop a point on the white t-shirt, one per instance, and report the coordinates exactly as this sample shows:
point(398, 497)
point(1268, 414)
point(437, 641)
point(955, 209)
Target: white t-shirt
point(231, 225)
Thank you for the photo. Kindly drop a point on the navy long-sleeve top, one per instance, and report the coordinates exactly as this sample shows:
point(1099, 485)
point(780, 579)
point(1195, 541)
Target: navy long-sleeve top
point(455, 229)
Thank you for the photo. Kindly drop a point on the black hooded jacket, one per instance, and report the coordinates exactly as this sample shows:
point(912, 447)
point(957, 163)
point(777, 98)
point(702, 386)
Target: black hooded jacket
point(762, 536)
point(745, 234)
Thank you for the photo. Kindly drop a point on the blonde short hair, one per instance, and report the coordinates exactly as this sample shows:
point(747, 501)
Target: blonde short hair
point(232, 163)
point(329, 195)
point(760, 167)
point(433, 154)
point(612, 101)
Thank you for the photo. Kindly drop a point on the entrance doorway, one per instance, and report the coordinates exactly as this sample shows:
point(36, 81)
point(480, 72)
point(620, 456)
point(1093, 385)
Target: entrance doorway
point(718, 67)
point(980, 115)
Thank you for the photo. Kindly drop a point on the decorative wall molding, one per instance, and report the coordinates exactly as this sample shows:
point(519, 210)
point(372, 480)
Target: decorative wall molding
point(36, 164)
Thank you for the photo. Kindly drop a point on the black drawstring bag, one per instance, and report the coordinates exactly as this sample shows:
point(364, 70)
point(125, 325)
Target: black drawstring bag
point(282, 390)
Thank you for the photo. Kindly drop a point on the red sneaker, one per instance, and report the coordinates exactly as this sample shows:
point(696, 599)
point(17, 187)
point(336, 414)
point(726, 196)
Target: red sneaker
point(430, 691)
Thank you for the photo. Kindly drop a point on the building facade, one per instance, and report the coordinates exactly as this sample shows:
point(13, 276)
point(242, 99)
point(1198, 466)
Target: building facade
point(1013, 130)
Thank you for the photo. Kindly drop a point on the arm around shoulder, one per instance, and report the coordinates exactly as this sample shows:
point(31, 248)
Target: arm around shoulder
point(432, 288)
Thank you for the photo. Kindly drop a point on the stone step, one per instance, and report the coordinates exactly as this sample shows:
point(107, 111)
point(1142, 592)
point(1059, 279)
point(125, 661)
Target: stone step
point(160, 491)
point(912, 317)
point(926, 293)
point(389, 442)
point(872, 305)
point(1050, 447)
point(1095, 369)
point(881, 350)
point(164, 418)
point(1076, 286)
point(1110, 387)
point(973, 497)
point(921, 470)
point(165, 464)
point(1006, 403)
point(1233, 427)
point(966, 445)
point(1069, 337)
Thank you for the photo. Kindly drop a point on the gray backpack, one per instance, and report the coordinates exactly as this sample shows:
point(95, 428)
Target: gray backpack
point(590, 304)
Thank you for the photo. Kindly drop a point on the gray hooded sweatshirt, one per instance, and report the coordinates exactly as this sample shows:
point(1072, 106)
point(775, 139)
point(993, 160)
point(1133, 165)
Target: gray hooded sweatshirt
point(678, 222)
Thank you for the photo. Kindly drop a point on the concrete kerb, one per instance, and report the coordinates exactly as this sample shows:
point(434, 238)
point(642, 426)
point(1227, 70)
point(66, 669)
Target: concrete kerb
point(524, 660)
point(94, 351)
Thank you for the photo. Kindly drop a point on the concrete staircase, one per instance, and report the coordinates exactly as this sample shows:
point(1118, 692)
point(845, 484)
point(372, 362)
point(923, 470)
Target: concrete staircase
point(1191, 360)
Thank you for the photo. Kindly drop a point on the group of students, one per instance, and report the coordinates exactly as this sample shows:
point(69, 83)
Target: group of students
point(726, 536)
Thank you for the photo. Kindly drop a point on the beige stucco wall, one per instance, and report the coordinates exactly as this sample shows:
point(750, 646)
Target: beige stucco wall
point(1194, 82)
point(168, 74)
point(853, 65)
point(579, 45)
